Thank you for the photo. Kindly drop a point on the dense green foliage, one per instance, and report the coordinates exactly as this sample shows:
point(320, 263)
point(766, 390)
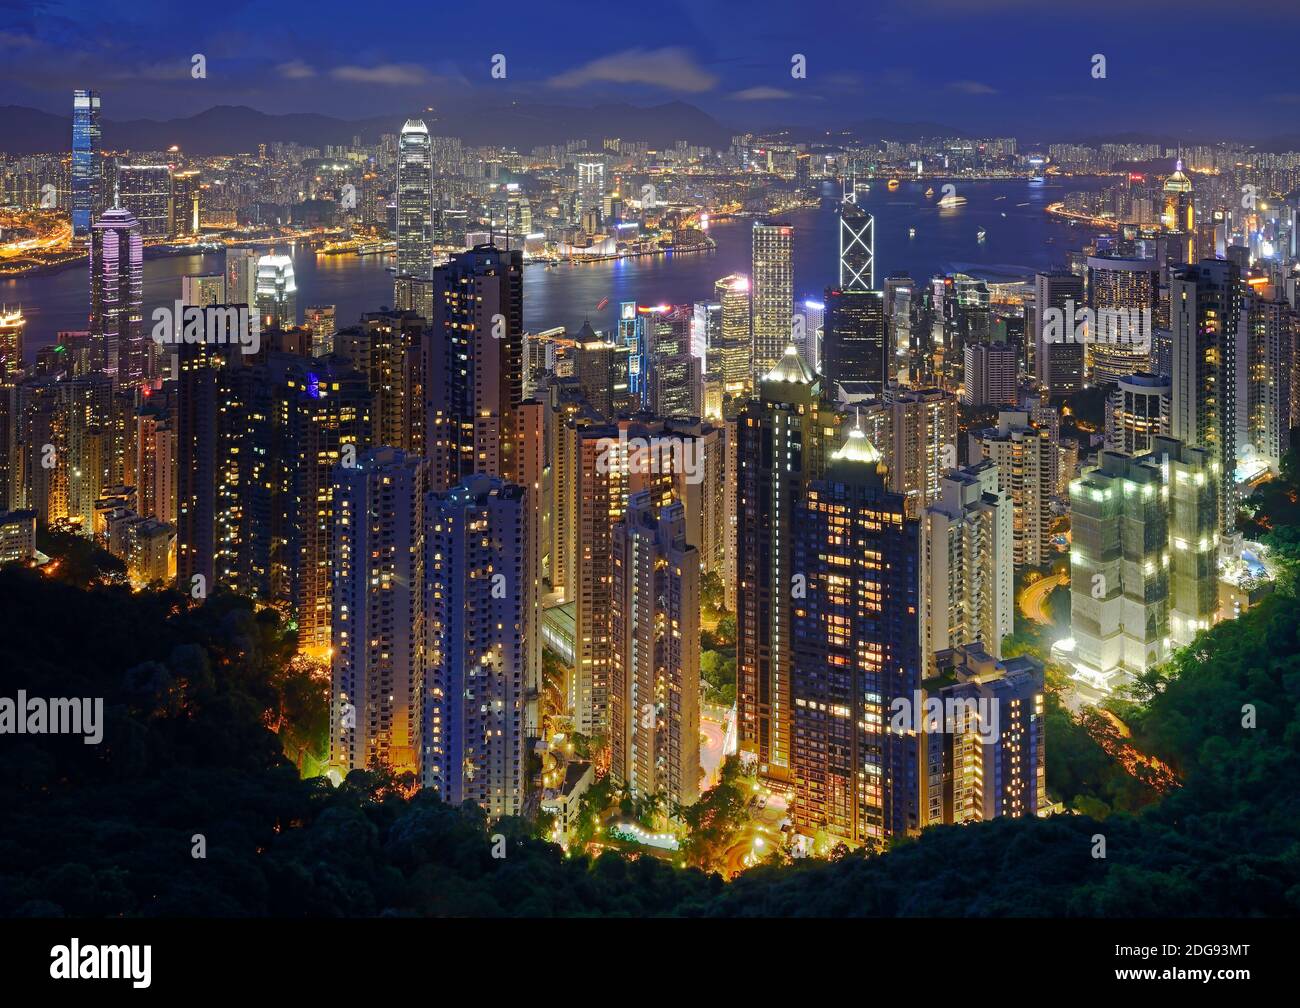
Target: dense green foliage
point(194, 698)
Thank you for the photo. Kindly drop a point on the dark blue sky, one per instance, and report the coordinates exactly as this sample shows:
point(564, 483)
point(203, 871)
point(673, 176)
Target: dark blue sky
point(1187, 69)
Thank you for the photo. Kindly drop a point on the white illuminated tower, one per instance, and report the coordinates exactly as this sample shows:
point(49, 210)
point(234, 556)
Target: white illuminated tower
point(414, 201)
point(857, 246)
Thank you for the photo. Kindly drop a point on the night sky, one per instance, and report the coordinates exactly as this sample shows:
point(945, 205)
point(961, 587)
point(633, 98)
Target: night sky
point(1186, 69)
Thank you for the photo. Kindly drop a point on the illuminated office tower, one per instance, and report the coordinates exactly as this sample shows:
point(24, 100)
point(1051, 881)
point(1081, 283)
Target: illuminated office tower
point(415, 294)
point(706, 330)
point(1270, 344)
point(1058, 362)
point(202, 414)
point(856, 649)
point(377, 558)
point(900, 289)
point(591, 187)
point(1179, 216)
point(474, 366)
point(88, 405)
point(1143, 560)
point(414, 201)
point(731, 355)
point(655, 658)
point(320, 320)
point(772, 294)
point(600, 478)
point(87, 191)
point(967, 573)
point(12, 324)
point(923, 443)
point(676, 386)
point(535, 477)
point(1192, 511)
point(321, 418)
point(241, 276)
point(857, 249)
point(1026, 457)
point(386, 347)
point(10, 447)
point(782, 444)
point(185, 222)
point(146, 190)
point(1124, 295)
point(477, 623)
point(975, 773)
point(601, 368)
point(154, 473)
point(208, 289)
point(1137, 410)
point(809, 325)
point(991, 374)
point(960, 314)
point(117, 295)
point(731, 470)
point(40, 483)
point(1208, 317)
point(277, 292)
point(1119, 573)
point(700, 483)
point(854, 351)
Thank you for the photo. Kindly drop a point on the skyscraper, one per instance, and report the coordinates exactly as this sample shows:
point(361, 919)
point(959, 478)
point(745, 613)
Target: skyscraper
point(117, 295)
point(731, 355)
point(1143, 561)
point(922, 425)
point(1124, 295)
point(474, 366)
point(185, 208)
point(414, 200)
point(991, 374)
point(856, 649)
point(1026, 456)
point(377, 558)
point(782, 444)
point(146, 190)
point(655, 667)
point(983, 766)
point(1179, 216)
point(1058, 358)
point(1208, 317)
point(320, 320)
point(857, 248)
point(854, 351)
point(1137, 411)
point(967, 573)
point(87, 197)
point(478, 622)
point(773, 294)
point(277, 292)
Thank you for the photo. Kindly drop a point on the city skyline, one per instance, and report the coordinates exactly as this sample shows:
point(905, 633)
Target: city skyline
point(574, 507)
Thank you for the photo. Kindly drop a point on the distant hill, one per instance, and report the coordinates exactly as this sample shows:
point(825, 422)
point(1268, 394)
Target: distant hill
point(231, 128)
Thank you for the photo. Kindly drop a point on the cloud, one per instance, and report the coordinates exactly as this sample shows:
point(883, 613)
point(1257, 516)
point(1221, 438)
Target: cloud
point(762, 93)
point(671, 67)
point(971, 87)
point(295, 70)
point(391, 74)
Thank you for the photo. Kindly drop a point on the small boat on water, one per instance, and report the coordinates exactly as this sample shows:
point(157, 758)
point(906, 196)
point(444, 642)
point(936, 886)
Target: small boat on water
point(929, 192)
point(979, 235)
point(911, 232)
point(893, 184)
